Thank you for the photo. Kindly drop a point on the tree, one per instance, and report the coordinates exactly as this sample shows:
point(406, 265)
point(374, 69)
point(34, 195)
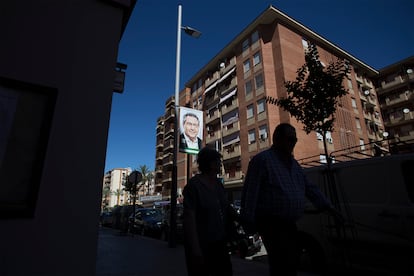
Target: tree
point(150, 177)
point(118, 193)
point(313, 97)
point(146, 175)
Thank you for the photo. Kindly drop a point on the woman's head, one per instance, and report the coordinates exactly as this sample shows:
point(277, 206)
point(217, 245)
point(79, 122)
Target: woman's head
point(209, 160)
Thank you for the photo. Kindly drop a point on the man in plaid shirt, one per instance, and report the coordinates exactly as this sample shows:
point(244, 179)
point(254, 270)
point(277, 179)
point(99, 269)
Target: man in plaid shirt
point(273, 200)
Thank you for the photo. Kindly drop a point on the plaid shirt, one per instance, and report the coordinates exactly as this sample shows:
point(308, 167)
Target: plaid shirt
point(271, 189)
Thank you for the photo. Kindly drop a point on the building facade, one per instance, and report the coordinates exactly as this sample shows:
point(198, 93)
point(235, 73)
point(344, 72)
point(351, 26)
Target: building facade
point(113, 193)
point(395, 89)
point(232, 89)
point(113, 190)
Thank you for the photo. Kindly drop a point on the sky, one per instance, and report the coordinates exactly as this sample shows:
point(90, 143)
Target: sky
point(377, 32)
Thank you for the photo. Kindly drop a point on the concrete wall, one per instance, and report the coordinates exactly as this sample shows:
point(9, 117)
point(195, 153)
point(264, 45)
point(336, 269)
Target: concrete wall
point(70, 45)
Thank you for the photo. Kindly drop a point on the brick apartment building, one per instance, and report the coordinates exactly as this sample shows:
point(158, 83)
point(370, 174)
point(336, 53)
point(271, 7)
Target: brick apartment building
point(395, 86)
point(231, 90)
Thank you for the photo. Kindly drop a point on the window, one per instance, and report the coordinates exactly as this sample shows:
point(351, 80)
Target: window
point(319, 136)
point(305, 44)
point(255, 37)
point(362, 144)
point(353, 103)
point(259, 81)
point(350, 84)
point(248, 87)
point(251, 136)
point(256, 59)
point(260, 106)
point(263, 132)
point(246, 66)
point(245, 45)
point(329, 137)
point(358, 123)
point(250, 111)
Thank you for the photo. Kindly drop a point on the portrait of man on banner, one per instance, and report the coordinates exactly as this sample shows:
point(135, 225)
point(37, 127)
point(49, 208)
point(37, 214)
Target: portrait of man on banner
point(191, 130)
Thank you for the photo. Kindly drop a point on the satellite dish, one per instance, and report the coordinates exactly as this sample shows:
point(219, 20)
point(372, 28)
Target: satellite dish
point(222, 65)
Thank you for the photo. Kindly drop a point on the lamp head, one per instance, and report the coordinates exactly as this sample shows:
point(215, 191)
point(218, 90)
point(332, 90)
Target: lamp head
point(191, 31)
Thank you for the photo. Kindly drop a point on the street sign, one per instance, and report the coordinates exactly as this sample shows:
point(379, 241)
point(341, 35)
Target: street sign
point(135, 177)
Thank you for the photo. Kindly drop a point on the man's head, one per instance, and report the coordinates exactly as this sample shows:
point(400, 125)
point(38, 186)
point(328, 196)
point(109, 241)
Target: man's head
point(191, 124)
point(209, 160)
point(284, 138)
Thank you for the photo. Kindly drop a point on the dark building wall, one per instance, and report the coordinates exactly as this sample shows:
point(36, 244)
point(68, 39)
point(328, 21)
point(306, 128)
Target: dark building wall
point(70, 46)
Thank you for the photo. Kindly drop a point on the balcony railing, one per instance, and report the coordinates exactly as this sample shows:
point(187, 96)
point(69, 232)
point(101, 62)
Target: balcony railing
point(212, 136)
point(231, 152)
point(233, 176)
point(212, 116)
point(235, 128)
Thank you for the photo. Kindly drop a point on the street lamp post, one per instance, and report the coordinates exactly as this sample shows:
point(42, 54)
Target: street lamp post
point(173, 208)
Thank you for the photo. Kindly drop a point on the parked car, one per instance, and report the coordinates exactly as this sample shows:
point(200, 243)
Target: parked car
point(120, 215)
point(165, 232)
point(146, 222)
point(106, 218)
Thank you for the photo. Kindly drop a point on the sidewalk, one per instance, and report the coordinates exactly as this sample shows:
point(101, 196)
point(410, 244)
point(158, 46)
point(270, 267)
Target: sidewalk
point(129, 255)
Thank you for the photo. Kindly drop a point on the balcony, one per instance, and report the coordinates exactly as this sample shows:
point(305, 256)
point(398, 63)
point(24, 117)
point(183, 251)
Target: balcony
point(167, 177)
point(212, 115)
point(397, 80)
point(366, 84)
point(169, 144)
point(231, 151)
point(401, 98)
point(170, 101)
point(159, 143)
point(214, 77)
point(168, 159)
point(409, 116)
point(213, 136)
point(233, 176)
point(211, 99)
point(263, 143)
point(229, 106)
point(228, 66)
point(170, 113)
point(227, 86)
point(160, 130)
point(231, 128)
point(159, 156)
point(367, 115)
point(159, 169)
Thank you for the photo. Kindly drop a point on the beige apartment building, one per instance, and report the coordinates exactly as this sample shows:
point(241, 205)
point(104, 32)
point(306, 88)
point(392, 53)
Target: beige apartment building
point(231, 90)
point(113, 190)
point(395, 86)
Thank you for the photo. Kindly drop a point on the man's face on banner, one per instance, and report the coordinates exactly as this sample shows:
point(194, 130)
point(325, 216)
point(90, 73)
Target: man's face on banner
point(191, 126)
